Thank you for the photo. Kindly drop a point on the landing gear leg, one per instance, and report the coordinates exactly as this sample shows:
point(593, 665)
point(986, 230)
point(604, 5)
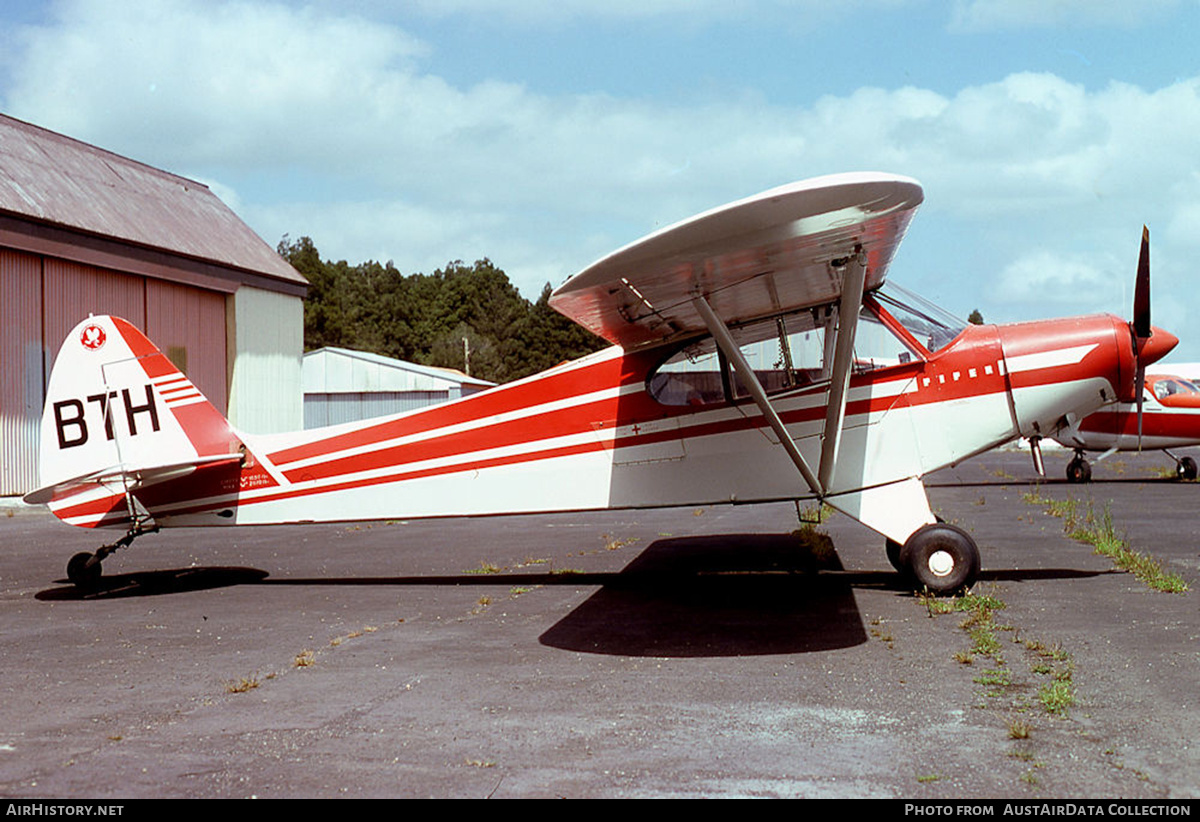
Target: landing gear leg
point(1078, 469)
point(941, 558)
point(83, 569)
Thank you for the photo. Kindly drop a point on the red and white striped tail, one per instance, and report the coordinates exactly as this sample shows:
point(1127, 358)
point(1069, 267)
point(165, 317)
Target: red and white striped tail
point(117, 409)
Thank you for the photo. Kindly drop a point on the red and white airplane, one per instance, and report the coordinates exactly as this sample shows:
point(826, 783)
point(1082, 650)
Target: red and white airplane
point(1170, 419)
point(758, 356)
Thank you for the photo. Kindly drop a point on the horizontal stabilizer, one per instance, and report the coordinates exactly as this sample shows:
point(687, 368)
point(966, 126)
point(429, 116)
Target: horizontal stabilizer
point(134, 478)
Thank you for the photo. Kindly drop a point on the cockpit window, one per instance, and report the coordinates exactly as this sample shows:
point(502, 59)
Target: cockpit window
point(1171, 387)
point(932, 326)
point(786, 352)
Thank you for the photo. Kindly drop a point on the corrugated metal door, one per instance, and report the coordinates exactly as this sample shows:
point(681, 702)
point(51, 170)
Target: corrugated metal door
point(45, 297)
point(188, 325)
point(73, 291)
point(20, 369)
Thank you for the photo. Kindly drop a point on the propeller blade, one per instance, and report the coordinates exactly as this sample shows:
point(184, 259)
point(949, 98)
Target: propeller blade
point(1141, 324)
point(1141, 292)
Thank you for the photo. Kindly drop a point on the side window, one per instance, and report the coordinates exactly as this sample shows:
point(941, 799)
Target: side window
point(793, 356)
point(692, 377)
point(785, 353)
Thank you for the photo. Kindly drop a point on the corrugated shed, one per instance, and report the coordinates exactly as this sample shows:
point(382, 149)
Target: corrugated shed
point(54, 179)
point(265, 346)
point(333, 409)
point(341, 385)
point(340, 370)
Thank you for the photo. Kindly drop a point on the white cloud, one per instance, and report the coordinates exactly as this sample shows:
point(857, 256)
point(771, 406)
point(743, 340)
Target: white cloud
point(320, 124)
point(1075, 284)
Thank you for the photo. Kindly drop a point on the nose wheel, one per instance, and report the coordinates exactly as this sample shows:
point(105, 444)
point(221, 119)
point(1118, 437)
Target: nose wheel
point(1079, 470)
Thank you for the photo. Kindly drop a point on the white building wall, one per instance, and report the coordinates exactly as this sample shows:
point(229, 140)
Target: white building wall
point(265, 349)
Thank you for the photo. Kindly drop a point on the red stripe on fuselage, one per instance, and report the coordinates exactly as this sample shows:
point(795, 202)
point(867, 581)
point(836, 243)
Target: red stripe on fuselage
point(545, 388)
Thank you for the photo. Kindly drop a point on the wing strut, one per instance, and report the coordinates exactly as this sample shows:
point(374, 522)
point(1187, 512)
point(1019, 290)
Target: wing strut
point(843, 362)
point(748, 380)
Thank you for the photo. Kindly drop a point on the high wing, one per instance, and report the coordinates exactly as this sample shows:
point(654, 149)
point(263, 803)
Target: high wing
point(783, 249)
point(805, 244)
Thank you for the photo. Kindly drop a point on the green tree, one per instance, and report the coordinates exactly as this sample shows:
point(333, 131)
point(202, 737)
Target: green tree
point(975, 318)
point(425, 317)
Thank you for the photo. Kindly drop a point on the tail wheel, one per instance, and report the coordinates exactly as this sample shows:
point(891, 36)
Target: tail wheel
point(1079, 470)
point(941, 558)
point(1186, 468)
point(83, 570)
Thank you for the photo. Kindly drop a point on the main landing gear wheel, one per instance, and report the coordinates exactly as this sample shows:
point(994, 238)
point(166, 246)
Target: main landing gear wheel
point(83, 570)
point(893, 549)
point(941, 558)
point(1185, 468)
point(1079, 470)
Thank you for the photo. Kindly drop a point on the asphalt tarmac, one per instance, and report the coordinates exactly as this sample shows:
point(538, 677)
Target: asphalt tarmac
point(697, 652)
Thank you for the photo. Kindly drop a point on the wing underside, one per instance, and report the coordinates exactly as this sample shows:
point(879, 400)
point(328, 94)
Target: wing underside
point(782, 250)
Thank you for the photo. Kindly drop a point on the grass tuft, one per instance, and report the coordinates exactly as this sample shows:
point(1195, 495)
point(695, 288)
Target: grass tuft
point(1019, 729)
point(1099, 532)
point(241, 686)
point(1057, 696)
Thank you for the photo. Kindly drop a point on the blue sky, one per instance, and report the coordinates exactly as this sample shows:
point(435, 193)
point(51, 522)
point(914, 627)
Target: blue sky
point(545, 134)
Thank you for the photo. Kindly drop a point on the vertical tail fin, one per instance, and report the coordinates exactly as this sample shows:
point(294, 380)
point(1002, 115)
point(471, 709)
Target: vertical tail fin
point(117, 408)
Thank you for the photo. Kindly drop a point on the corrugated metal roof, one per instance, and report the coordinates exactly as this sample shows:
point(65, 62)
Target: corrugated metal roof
point(54, 179)
point(333, 369)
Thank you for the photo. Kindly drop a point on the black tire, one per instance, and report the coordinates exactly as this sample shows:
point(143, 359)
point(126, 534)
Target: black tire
point(941, 558)
point(893, 549)
point(81, 573)
point(1186, 468)
point(1079, 470)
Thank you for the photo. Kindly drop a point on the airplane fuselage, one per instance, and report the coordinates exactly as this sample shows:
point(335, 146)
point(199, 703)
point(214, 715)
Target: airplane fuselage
point(592, 434)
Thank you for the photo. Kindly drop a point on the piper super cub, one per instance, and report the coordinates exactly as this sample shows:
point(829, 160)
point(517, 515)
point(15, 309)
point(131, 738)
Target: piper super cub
point(758, 356)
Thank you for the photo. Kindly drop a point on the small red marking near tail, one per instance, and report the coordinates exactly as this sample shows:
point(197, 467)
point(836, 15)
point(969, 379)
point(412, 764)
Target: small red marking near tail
point(93, 338)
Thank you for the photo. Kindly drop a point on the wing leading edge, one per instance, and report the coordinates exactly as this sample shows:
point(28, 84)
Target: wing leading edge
point(781, 250)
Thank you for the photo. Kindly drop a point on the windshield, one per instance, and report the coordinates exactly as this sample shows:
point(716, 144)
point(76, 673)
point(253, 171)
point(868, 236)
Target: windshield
point(932, 326)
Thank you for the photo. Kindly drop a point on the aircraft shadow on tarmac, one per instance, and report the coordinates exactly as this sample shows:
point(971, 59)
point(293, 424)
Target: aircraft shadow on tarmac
point(157, 583)
point(721, 595)
point(701, 596)
point(1063, 481)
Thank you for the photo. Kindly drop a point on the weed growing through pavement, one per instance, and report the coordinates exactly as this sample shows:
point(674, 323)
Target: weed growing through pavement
point(1056, 695)
point(612, 543)
point(1019, 729)
point(1099, 532)
point(304, 659)
point(241, 686)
